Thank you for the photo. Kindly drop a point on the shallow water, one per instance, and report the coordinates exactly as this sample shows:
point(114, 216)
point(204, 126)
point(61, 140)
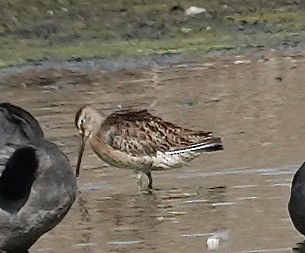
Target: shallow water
point(241, 192)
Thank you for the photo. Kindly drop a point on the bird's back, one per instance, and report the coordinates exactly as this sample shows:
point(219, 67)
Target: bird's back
point(17, 125)
point(150, 141)
point(296, 205)
point(17, 128)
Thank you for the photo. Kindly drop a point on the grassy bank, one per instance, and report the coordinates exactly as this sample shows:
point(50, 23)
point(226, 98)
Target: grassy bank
point(36, 30)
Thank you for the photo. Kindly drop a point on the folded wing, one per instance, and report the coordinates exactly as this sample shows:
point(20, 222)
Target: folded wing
point(138, 133)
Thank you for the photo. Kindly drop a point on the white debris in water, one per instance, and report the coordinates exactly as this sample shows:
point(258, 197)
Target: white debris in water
point(160, 219)
point(194, 10)
point(177, 213)
point(214, 241)
point(242, 62)
point(208, 64)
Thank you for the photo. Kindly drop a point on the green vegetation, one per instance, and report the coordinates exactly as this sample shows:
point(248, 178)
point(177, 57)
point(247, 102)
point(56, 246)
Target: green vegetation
point(40, 30)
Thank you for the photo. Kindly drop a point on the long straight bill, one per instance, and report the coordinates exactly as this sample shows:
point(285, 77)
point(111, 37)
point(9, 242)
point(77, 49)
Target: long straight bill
point(80, 154)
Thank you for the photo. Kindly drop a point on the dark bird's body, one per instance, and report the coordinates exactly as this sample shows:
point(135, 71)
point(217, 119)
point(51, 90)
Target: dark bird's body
point(137, 140)
point(296, 205)
point(37, 185)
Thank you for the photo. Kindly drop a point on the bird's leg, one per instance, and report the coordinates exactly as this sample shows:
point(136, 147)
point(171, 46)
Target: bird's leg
point(144, 183)
point(139, 177)
point(148, 174)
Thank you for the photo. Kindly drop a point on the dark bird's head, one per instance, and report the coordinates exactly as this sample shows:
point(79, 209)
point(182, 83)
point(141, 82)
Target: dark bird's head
point(26, 123)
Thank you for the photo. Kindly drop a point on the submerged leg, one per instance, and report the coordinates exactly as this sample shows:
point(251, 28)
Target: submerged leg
point(140, 179)
point(144, 180)
point(150, 181)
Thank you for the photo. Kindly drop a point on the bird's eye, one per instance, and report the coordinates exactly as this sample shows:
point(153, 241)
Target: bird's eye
point(82, 121)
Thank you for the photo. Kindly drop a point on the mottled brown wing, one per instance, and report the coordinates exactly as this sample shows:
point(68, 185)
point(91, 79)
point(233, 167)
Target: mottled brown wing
point(139, 133)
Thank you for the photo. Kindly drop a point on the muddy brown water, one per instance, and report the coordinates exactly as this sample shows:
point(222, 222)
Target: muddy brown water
point(258, 109)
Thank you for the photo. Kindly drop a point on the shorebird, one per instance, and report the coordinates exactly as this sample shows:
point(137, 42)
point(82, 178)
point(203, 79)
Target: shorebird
point(137, 140)
point(37, 184)
point(296, 205)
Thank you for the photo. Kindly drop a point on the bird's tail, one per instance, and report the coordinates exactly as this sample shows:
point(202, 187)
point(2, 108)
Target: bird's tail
point(209, 145)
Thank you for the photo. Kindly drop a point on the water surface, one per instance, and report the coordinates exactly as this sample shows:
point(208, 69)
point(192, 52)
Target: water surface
point(243, 191)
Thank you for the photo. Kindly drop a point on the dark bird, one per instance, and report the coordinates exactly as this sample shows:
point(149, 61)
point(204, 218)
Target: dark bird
point(37, 184)
point(296, 205)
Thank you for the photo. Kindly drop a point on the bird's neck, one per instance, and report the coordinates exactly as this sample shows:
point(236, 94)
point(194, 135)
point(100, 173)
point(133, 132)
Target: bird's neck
point(96, 125)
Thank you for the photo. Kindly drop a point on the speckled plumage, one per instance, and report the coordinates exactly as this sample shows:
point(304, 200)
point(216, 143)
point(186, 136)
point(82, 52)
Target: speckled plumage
point(137, 140)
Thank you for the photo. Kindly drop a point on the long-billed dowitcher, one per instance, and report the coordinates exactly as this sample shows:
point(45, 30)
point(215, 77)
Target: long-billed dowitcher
point(296, 205)
point(37, 184)
point(137, 140)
